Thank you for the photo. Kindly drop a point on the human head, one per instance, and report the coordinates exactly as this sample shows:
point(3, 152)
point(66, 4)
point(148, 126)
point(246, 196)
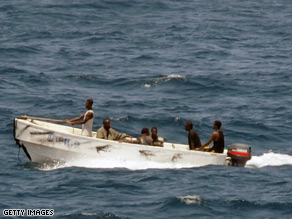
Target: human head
point(154, 130)
point(106, 124)
point(145, 131)
point(188, 126)
point(89, 103)
point(217, 124)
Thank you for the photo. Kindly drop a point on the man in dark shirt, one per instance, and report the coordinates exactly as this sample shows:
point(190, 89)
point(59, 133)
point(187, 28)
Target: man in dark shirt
point(194, 139)
point(157, 140)
point(218, 139)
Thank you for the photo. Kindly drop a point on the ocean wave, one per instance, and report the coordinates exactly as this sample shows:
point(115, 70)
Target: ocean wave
point(101, 5)
point(35, 35)
point(145, 57)
point(164, 79)
point(7, 7)
point(19, 50)
point(123, 118)
point(146, 85)
point(125, 82)
point(84, 77)
point(95, 39)
point(183, 202)
point(244, 204)
point(12, 70)
point(191, 199)
point(22, 79)
point(104, 81)
point(169, 78)
point(87, 214)
point(36, 78)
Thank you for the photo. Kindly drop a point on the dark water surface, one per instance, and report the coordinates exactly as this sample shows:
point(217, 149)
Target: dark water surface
point(151, 63)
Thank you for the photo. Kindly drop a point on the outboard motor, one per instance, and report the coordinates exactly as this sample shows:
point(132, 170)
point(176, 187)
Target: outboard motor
point(239, 154)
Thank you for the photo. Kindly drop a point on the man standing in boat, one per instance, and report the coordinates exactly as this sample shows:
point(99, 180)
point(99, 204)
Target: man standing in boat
point(86, 119)
point(217, 137)
point(194, 139)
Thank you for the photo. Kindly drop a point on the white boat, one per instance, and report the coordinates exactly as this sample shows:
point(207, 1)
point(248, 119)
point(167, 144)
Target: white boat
point(43, 141)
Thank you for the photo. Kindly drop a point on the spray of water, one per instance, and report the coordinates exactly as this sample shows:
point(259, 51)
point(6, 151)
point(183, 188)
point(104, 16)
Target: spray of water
point(267, 159)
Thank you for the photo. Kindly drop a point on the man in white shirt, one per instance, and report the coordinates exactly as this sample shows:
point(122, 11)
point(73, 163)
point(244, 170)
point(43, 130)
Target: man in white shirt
point(86, 119)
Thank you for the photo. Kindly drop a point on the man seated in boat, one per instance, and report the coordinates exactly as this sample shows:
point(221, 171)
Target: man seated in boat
point(157, 140)
point(193, 137)
point(218, 140)
point(145, 137)
point(107, 132)
point(86, 119)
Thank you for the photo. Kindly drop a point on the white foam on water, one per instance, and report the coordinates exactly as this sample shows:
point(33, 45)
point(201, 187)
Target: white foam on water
point(267, 159)
point(176, 76)
point(270, 159)
point(122, 118)
point(111, 164)
point(163, 79)
point(48, 166)
point(132, 165)
point(190, 199)
point(168, 78)
point(146, 85)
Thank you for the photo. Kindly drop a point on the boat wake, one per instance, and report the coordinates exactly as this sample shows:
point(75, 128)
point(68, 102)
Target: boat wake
point(269, 159)
point(109, 164)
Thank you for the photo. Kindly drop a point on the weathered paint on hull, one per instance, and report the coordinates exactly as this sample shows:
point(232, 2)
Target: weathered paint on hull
point(51, 142)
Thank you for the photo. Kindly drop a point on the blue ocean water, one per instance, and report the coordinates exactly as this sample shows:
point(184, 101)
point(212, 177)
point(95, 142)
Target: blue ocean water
point(150, 63)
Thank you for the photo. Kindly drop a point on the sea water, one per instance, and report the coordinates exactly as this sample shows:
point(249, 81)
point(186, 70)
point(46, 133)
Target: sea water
point(150, 63)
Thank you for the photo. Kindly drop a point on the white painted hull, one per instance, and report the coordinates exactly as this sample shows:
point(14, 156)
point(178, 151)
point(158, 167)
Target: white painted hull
point(43, 142)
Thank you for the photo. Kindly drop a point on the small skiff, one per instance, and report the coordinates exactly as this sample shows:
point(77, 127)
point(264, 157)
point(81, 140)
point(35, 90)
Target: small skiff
point(42, 140)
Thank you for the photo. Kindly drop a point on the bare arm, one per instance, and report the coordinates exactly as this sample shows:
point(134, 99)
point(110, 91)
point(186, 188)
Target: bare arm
point(74, 120)
point(89, 116)
point(212, 138)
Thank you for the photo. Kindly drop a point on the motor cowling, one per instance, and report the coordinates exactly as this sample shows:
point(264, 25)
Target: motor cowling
point(239, 154)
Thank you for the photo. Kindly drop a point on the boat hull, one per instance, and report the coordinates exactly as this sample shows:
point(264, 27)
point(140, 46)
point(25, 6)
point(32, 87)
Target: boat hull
point(44, 141)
